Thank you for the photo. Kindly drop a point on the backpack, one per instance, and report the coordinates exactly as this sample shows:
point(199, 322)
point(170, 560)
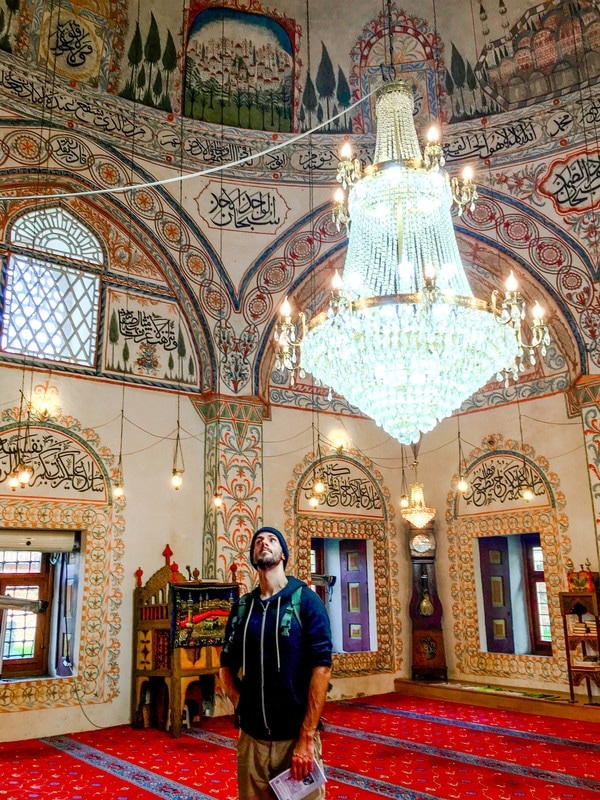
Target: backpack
point(285, 623)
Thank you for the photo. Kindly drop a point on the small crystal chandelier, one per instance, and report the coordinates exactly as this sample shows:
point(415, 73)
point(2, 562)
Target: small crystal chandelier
point(404, 339)
point(416, 512)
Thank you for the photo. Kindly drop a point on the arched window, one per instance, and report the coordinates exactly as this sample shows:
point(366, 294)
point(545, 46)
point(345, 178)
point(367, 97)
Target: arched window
point(50, 306)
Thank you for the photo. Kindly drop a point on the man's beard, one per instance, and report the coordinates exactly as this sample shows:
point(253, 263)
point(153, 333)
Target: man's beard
point(266, 560)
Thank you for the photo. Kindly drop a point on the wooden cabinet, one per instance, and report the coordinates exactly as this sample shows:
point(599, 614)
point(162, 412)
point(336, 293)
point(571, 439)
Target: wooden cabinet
point(581, 619)
point(178, 631)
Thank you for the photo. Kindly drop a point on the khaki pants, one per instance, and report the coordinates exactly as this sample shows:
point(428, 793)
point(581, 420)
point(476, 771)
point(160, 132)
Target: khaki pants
point(258, 762)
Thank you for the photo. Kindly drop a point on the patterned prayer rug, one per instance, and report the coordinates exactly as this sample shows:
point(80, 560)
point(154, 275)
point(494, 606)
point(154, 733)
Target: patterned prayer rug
point(388, 746)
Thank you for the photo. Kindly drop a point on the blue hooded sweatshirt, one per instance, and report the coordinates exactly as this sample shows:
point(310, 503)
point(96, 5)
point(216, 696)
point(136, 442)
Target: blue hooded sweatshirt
point(273, 653)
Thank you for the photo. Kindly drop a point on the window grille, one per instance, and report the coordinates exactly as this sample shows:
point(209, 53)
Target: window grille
point(50, 307)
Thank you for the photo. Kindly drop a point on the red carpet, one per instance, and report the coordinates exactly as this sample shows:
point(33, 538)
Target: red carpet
point(386, 746)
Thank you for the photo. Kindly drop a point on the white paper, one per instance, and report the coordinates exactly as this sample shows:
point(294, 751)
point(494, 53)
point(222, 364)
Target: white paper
point(286, 788)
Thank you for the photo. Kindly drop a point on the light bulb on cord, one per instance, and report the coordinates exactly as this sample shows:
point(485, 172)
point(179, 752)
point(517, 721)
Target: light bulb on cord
point(24, 474)
point(462, 485)
point(177, 479)
point(319, 486)
point(527, 493)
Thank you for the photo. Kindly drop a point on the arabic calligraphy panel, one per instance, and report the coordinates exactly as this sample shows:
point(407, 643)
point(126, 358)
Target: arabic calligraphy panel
point(148, 338)
point(73, 44)
point(242, 209)
point(496, 483)
point(350, 490)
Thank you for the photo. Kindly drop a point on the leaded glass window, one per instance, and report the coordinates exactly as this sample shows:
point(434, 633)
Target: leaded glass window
point(53, 230)
point(50, 306)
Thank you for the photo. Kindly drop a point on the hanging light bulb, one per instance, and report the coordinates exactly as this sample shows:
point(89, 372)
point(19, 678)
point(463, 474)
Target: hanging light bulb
point(178, 463)
point(13, 481)
point(404, 501)
point(462, 484)
point(24, 474)
point(177, 479)
point(118, 485)
point(313, 500)
point(525, 488)
point(319, 486)
point(217, 500)
point(527, 493)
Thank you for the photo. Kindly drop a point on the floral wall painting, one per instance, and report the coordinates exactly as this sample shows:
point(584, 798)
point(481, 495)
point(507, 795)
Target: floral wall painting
point(239, 70)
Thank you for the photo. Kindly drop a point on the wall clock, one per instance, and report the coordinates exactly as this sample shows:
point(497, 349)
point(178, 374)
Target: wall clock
point(422, 543)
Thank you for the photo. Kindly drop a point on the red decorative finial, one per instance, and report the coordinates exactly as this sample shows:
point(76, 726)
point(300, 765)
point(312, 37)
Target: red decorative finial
point(174, 570)
point(167, 553)
point(138, 576)
point(233, 568)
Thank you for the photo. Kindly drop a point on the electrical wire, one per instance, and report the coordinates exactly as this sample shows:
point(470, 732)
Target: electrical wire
point(191, 175)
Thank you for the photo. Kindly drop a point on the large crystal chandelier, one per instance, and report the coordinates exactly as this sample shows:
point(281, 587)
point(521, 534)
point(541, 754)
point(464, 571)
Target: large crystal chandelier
point(405, 340)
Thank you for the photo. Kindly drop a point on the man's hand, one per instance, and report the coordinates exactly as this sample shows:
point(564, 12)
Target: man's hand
point(303, 753)
point(302, 757)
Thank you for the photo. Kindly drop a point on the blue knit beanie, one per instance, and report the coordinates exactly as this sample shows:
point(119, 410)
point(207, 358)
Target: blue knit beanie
point(278, 534)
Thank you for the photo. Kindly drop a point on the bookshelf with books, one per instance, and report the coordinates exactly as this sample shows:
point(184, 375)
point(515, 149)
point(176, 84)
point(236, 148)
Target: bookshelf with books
point(581, 619)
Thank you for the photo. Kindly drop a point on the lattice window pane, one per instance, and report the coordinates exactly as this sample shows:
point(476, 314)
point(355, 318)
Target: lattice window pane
point(21, 626)
point(55, 231)
point(15, 561)
point(50, 311)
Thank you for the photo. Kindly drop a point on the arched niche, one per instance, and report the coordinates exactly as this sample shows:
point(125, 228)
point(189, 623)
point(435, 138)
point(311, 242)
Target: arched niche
point(356, 505)
point(71, 490)
point(493, 506)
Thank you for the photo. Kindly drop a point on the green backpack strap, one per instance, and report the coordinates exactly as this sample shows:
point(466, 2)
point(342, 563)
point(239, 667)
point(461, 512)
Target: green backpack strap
point(292, 610)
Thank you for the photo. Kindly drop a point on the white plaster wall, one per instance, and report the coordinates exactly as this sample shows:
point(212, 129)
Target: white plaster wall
point(155, 514)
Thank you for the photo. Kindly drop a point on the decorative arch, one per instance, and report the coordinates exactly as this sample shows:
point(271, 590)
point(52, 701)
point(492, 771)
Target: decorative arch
point(142, 272)
point(418, 58)
point(71, 490)
point(360, 508)
point(494, 508)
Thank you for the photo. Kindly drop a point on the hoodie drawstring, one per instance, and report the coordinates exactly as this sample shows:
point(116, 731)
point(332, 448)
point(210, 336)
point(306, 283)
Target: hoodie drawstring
point(244, 638)
point(277, 634)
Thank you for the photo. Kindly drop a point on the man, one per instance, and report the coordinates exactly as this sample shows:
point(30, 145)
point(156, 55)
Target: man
point(275, 668)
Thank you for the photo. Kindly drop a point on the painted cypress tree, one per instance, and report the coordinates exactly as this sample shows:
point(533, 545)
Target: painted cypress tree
point(458, 69)
point(152, 53)
point(343, 94)
point(325, 81)
point(13, 7)
point(157, 87)
point(134, 56)
point(4, 39)
point(113, 334)
point(181, 349)
point(309, 99)
point(169, 62)
point(126, 355)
